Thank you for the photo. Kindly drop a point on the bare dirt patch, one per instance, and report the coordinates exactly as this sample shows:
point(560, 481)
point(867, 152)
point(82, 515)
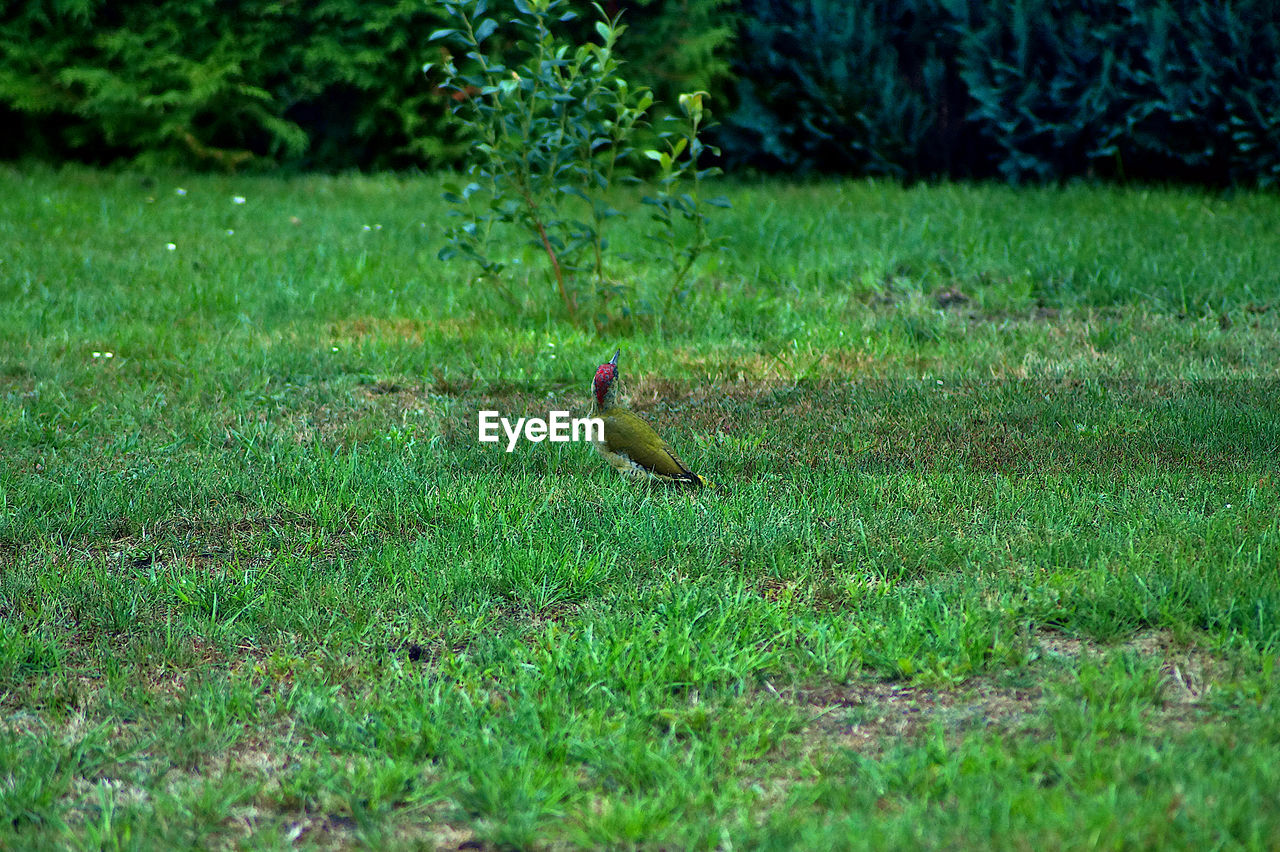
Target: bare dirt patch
point(356, 329)
point(869, 716)
point(887, 712)
point(1189, 673)
point(183, 543)
point(321, 823)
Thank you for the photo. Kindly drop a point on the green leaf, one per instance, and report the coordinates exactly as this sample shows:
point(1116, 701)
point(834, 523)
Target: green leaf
point(439, 34)
point(487, 28)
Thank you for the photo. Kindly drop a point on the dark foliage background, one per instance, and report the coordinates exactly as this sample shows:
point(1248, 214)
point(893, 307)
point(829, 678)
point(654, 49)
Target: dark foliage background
point(1029, 90)
point(220, 83)
point(1175, 89)
point(828, 85)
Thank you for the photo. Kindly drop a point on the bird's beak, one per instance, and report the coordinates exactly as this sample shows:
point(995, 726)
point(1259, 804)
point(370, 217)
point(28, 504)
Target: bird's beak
point(614, 359)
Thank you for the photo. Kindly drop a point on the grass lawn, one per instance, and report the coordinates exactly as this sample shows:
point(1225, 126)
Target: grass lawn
point(999, 568)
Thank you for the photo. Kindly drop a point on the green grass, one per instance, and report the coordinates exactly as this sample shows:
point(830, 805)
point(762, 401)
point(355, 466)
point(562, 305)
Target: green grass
point(998, 569)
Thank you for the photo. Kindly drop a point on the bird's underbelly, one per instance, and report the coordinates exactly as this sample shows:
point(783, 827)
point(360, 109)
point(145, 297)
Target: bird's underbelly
point(623, 463)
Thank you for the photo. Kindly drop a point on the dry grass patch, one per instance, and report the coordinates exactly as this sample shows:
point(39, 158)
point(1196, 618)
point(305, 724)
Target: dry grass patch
point(355, 329)
point(1189, 673)
point(870, 716)
point(181, 542)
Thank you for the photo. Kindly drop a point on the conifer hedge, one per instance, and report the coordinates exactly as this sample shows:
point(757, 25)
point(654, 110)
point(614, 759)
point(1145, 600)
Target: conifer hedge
point(217, 83)
point(1023, 89)
point(235, 83)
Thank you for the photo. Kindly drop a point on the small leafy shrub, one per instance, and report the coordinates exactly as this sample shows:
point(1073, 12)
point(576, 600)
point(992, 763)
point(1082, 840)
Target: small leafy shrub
point(674, 48)
point(680, 161)
point(551, 137)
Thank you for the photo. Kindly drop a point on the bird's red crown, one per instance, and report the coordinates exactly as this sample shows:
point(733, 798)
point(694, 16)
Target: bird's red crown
point(605, 375)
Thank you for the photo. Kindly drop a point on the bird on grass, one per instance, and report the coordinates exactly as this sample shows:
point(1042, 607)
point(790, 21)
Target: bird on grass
point(630, 444)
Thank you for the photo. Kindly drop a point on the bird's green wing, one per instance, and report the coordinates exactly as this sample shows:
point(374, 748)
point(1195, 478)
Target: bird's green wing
point(627, 434)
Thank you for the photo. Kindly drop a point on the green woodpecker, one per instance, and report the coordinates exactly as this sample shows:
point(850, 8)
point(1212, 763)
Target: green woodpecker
point(630, 444)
